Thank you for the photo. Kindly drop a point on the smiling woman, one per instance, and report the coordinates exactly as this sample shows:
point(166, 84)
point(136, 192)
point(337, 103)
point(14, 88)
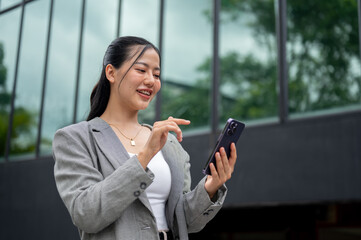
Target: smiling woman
point(140, 75)
point(122, 173)
point(132, 52)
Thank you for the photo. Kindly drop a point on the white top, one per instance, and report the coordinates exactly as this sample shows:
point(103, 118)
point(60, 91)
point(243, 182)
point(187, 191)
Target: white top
point(159, 190)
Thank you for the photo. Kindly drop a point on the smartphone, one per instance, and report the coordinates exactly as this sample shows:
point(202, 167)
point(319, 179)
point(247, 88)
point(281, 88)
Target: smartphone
point(230, 134)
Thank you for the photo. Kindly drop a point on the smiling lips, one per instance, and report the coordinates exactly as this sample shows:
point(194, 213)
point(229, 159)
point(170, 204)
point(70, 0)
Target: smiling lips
point(145, 93)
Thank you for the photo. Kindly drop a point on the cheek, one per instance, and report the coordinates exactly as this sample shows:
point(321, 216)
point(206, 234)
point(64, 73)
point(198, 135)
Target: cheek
point(157, 86)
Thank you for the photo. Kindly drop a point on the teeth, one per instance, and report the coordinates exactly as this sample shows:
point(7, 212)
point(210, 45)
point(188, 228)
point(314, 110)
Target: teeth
point(144, 92)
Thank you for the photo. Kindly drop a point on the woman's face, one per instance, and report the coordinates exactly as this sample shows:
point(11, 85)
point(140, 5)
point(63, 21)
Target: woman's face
point(141, 83)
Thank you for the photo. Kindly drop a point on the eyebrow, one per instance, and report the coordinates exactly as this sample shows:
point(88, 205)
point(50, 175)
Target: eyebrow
point(147, 65)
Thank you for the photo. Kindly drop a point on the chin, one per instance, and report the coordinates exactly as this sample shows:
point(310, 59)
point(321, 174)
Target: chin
point(143, 106)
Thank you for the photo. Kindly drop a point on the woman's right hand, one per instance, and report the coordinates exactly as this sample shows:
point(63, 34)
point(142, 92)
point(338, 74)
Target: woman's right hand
point(158, 138)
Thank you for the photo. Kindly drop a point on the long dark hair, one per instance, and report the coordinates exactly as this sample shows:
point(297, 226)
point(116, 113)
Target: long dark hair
point(117, 53)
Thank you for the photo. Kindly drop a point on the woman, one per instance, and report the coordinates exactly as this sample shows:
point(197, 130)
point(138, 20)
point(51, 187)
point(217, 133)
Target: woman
point(123, 180)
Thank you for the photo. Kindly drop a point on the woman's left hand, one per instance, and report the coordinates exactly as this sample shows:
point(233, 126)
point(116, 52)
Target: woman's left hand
point(223, 173)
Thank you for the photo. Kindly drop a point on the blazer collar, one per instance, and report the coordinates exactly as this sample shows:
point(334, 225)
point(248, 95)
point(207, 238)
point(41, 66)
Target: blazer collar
point(108, 142)
point(116, 153)
point(113, 149)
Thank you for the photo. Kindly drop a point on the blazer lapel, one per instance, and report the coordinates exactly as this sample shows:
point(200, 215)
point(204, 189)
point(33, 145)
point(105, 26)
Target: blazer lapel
point(110, 145)
point(177, 179)
point(113, 149)
point(108, 142)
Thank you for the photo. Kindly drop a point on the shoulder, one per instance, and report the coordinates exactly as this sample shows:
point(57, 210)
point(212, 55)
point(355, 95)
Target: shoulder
point(83, 128)
point(77, 129)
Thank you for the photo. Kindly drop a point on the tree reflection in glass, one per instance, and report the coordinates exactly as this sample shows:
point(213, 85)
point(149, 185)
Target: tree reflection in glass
point(323, 54)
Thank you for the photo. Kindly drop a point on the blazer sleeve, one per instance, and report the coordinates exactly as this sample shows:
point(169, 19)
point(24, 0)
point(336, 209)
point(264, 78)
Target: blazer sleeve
point(94, 202)
point(199, 209)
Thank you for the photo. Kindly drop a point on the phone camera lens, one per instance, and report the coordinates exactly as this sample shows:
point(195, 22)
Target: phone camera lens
point(230, 132)
point(233, 126)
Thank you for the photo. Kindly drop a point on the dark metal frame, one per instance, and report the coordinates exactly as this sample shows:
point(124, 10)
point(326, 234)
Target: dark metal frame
point(281, 26)
point(118, 18)
point(359, 25)
point(38, 142)
point(13, 7)
point(158, 100)
point(215, 73)
point(77, 78)
point(11, 115)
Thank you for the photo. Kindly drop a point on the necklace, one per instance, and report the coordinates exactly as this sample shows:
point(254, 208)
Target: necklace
point(132, 142)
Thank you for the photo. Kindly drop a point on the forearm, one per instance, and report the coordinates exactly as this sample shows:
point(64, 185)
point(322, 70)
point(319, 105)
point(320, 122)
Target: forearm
point(199, 208)
point(95, 203)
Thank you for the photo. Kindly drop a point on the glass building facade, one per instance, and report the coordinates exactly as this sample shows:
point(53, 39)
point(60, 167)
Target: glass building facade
point(254, 60)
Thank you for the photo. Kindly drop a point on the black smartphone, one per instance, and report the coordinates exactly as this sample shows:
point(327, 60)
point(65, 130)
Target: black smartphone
point(230, 134)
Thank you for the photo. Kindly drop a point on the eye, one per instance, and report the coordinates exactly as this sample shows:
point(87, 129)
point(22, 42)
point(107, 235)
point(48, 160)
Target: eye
point(157, 76)
point(140, 70)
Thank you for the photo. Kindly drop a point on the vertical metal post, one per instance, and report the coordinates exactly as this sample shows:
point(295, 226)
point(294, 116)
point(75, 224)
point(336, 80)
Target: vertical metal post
point(215, 73)
point(12, 105)
point(158, 102)
point(359, 25)
point(119, 15)
point(77, 80)
point(38, 142)
point(281, 25)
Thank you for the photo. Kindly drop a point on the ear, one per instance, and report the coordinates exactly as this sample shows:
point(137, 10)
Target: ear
point(110, 73)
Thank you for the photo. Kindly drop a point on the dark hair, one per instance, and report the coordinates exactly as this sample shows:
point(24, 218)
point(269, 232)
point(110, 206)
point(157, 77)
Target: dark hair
point(117, 53)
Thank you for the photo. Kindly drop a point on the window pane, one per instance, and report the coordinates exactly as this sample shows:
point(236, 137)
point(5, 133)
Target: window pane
point(8, 3)
point(187, 54)
point(9, 27)
point(62, 62)
point(146, 27)
point(248, 55)
point(323, 55)
point(29, 82)
point(99, 31)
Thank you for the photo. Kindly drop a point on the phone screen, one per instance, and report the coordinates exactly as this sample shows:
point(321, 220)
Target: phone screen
point(230, 134)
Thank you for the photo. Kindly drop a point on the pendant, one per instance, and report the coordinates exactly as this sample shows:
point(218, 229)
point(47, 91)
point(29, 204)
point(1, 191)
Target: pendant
point(132, 142)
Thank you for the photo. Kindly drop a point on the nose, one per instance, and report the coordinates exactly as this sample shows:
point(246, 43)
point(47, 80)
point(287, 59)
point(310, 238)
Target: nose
point(149, 80)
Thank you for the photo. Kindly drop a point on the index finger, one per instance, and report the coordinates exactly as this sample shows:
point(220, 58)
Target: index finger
point(179, 121)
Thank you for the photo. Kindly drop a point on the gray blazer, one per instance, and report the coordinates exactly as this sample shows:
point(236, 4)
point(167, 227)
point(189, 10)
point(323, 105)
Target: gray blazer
point(103, 188)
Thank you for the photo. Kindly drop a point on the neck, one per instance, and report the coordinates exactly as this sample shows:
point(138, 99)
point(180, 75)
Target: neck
point(120, 116)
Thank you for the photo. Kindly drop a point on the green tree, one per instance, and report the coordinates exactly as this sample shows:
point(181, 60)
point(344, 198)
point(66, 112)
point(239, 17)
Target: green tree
point(323, 60)
point(323, 48)
point(23, 121)
point(188, 102)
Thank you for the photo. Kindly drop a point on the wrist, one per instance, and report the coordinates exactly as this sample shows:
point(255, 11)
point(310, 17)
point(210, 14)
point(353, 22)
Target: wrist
point(211, 193)
point(210, 189)
point(144, 158)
